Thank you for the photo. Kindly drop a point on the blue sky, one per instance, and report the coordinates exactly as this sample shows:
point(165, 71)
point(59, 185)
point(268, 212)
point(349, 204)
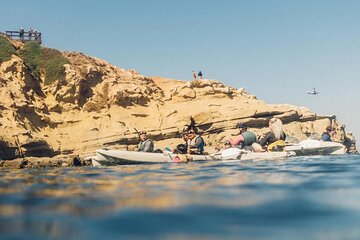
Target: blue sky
point(276, 49)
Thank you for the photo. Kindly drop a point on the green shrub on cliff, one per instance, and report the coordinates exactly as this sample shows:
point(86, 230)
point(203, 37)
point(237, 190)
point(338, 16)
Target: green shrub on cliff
point(6, 49)
point(31, 54)
point(52, 62)
point(47, 60)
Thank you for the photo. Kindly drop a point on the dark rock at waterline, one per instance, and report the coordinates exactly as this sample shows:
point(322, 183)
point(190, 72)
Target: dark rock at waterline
point(45, 162)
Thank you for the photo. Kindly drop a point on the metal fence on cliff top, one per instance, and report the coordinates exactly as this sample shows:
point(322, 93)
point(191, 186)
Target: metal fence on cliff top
point(24, 36)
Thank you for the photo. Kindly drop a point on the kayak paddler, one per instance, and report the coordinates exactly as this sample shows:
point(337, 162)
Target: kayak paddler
point(145, 144)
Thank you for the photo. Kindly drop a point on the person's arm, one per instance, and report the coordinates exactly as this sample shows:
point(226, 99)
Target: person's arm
point(237, 140)
point(188, 146)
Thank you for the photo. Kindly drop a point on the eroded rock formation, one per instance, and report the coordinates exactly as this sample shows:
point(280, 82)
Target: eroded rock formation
point(98, 104)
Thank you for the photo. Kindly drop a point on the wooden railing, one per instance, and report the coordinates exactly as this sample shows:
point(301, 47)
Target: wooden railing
point(24, 36)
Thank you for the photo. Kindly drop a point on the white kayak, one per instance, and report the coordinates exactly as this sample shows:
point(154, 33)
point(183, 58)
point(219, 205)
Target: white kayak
point(119, 157)
point(316, 147)
point(241, 154)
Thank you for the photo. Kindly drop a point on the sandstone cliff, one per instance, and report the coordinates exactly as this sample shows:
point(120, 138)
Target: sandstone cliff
point(82, 103)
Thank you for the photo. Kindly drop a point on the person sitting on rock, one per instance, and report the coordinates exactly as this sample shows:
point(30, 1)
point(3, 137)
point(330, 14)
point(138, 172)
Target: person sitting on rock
point(327, 136)
point(274, 141)
point(195, 143)
point(146, 144)
point(245, 138)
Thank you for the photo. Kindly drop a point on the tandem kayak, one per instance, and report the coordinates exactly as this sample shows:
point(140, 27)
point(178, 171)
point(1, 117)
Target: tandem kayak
point(120, 157)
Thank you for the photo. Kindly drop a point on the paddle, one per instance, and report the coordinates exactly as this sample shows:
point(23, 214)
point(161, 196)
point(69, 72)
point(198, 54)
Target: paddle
point(137, 131)
point(17, 142)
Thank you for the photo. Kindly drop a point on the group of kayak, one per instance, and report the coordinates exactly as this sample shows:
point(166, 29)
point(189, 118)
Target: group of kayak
point(245, 146)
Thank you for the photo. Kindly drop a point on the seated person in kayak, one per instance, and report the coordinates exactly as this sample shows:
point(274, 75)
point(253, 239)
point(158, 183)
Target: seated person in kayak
point(195, 143)
point(146, 144)
point(245, 138)
point(275, 139)
point(226, 145)
point(327, 136)
point(182, 147)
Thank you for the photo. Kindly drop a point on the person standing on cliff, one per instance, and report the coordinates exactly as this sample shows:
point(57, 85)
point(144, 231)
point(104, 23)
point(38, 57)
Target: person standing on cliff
point(31, 31)
point(146, 144)
point(21, 33)
point(36, 35)
point(200, 75)
point(194, 75)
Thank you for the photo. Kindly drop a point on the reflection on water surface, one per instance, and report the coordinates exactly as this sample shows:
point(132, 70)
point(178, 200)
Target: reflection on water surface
point(290, 199)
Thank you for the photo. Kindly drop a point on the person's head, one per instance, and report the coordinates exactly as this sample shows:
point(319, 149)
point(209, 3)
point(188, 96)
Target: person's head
point(186, 128)
point(185, 135)
point(330, 130)
point(227, 145)
point(191, 134)
point(143, 135)
point(185, 131)
point(242, 127)
point(276, 127)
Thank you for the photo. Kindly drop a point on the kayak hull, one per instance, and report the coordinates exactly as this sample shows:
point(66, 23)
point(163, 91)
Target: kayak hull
point(118, 157)
point(240, 154)
point(315, 147)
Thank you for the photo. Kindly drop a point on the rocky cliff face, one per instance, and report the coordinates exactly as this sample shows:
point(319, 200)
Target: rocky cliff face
point(97, 104)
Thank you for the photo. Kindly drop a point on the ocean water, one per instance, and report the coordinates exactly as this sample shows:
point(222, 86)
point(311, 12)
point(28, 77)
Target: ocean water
point(297, 198)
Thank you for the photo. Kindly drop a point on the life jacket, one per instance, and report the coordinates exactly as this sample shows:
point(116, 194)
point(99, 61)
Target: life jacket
point(202, 145)
point(277, 146)
point(200, 148)
point(249, 138)
point(143, 143)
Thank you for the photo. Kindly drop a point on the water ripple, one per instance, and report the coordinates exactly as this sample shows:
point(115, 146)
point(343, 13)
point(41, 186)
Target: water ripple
point(298, 198)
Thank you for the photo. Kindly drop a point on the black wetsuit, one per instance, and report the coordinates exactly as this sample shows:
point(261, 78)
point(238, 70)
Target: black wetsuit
point(270, 138)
